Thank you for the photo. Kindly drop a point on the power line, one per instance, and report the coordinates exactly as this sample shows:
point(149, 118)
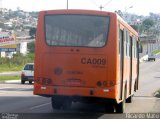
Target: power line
point(107, 3)
point(94, 3)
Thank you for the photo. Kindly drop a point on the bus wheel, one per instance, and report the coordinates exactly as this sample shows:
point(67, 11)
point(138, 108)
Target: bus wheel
point(129, 100)
point(109, 108)
point(67, 104)
point(120, 108)
point(57, 102)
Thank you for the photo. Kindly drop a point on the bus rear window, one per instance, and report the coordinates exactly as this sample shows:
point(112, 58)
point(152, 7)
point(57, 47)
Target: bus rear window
point(76, 30)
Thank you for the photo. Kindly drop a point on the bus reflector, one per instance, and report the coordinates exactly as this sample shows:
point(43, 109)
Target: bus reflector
point(106, 90)
point(43, 88)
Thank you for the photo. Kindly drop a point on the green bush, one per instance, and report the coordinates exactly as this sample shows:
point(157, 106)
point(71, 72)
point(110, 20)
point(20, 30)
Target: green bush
point(31, 47)
point(156, 52)
point(16, 63)
point(3, 78)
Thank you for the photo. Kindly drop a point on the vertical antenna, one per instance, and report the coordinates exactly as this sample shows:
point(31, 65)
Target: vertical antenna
point(1, 7)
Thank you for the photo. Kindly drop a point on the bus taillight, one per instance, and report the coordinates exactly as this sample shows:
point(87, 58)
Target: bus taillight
point(43, 81)
point(105, 83)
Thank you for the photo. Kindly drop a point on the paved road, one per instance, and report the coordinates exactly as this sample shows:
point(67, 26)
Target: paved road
point(12, 73)
point(18, 98)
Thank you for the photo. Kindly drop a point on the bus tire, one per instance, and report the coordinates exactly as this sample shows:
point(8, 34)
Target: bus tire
point(120, 108)
point(135, 86)
point(129, 99)
point(57, 102)
point(67, 104)
point(109, 108)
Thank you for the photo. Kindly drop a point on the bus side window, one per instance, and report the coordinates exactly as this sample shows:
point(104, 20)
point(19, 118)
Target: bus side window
point(134, 44)
point(127, 44)
point(135, 47)
point(124, 42)
point(120, 40)
point(130, 46)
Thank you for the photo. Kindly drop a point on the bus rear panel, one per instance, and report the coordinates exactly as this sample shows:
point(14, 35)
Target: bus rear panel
point(77, 55)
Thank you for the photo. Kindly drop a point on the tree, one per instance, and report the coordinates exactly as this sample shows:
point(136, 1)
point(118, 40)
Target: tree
point(31, 47)
point(32, 32)
point(1, 12)
point(148, 23)
point(2, 25)
point(120, 13)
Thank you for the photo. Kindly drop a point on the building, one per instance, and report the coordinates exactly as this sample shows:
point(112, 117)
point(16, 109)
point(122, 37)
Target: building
point(7, 44)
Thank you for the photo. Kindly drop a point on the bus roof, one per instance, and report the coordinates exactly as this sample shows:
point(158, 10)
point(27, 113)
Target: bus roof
point(77, 11)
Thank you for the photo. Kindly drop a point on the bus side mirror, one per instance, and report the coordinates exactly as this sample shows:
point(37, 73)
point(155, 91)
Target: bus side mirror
point(140, 49)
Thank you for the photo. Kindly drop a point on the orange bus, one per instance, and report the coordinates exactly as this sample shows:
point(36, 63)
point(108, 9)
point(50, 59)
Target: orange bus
point(86, 56)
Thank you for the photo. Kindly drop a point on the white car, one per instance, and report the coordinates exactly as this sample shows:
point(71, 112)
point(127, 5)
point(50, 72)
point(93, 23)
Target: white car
point(151, 57)
point(27, 73)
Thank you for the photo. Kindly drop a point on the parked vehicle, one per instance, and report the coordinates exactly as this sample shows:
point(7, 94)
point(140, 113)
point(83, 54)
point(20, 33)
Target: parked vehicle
point(27, 73)
point(151, 57)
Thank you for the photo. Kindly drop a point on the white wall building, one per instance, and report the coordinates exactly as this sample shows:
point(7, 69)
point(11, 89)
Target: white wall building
point(23, 48)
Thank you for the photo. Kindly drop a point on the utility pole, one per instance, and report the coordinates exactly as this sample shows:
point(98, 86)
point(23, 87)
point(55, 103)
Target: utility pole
point(101, 7)
point(1, 4)
point(67, 4)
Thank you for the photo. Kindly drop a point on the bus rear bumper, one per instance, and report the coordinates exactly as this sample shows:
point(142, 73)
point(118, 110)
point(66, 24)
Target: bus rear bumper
point(75, 91)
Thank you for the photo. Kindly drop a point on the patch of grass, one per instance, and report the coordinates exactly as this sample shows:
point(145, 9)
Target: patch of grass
point(4, 78)
point(156, 52)
point(16, 63)
point(12, 67)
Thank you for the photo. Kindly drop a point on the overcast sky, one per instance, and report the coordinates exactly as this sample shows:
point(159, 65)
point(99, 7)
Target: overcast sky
point(140, 7)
